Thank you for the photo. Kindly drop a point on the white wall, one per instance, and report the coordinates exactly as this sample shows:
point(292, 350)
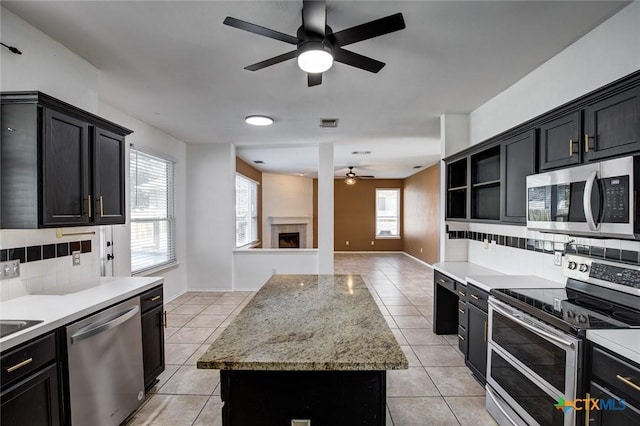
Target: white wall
point(210, 216)
point(253, 267)
point(285, 196)
point(609, 52)
point(49, 67)
point(45, 65)
point(151, 140)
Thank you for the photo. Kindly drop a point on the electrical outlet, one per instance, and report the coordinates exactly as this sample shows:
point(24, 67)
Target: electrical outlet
point(493, 245)
point(486, 244)
point(76, 258)
point(10, 269)
point(557, 258)
point(372, 242)
point(420, 249)
point(347, 243)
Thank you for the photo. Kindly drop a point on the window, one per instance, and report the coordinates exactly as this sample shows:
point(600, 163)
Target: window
point(152, 221)
point(387, 213)
point(246, 211)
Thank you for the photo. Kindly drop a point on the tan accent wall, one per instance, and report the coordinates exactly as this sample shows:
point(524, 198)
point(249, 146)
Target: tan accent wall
point(421, 214)
point(355, 215)
point(251, 172)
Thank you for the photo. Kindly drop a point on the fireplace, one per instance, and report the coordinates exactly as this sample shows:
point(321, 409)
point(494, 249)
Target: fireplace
point(289, 240)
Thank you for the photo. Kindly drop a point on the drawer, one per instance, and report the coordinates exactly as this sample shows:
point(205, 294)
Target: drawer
point(444, 281)
point(462, 339)
point(461, 291)
point(620, 376)
point(478, 297)
point(151, 298)
point(462, 313)
point(19, 362)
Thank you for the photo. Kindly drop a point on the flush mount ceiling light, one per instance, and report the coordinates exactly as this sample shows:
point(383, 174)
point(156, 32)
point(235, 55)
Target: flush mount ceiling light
point(258, 120)
point(314, 57)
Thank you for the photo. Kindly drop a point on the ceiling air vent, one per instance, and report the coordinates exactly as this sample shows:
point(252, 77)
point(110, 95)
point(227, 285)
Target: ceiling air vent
point(258, 161)
point(361, 152)
point(328, 122)
point(416, 167)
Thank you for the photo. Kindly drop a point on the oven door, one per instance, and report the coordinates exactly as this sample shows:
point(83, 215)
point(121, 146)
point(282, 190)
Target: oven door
point(531, 365)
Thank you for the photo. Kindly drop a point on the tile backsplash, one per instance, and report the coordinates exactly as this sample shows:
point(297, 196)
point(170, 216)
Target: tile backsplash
point(519, 251)
point(46, 261)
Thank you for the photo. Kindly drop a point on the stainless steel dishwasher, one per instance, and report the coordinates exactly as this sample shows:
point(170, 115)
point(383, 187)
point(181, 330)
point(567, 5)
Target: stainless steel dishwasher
point(106, 381)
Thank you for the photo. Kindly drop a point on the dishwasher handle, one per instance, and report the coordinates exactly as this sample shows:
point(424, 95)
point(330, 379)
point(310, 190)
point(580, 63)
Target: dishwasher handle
point(108, 324)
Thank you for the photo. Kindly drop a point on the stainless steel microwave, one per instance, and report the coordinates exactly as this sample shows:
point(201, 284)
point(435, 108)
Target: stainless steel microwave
point(597, 199)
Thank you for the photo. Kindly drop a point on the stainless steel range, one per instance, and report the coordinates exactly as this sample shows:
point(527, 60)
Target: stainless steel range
point(536, 338)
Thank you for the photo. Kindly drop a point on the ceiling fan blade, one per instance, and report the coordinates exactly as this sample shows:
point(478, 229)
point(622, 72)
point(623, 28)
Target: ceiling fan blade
point(314, 79)
point(369, 30)
point(272, 61)
point(314, 16)
point(356, 60)
point(257, 29)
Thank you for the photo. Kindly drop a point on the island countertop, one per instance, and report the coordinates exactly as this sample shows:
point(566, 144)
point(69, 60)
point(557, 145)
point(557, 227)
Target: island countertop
point(308, 323)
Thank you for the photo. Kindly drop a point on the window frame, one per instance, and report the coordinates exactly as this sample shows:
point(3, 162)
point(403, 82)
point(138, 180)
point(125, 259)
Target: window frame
point(254, 214)
point(398, 215)
point(170, 214)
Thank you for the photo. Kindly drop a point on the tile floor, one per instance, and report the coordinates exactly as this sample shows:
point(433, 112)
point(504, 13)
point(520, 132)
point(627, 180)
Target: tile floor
point(437, 389)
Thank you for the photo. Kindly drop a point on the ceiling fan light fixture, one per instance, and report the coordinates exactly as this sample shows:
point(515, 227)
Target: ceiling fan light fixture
point(258, 120)
point(350, 181)
point(314, 57)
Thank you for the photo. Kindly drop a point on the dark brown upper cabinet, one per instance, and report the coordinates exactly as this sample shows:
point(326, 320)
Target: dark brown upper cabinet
point(59, 165)
point(518, 162)
point(613, 126)
point(108, 177)
point(560, 141)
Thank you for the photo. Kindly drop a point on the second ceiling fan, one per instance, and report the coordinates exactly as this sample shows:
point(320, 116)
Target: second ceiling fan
point(317, 46)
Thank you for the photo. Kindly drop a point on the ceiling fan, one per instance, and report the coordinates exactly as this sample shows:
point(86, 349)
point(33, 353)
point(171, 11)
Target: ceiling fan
point(351, 177)
point(317, 46)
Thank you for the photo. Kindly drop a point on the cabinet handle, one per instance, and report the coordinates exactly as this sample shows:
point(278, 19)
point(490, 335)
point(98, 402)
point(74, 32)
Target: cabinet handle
point(627, 381)
point(473, 296)
point(89, 202)
point(164, 318)
point(461, 310)
point(153, 299)
point(101, 207)
point(570, 147)
point(486, 328)
point(587, 410)
point(442, 280)
point(586, 142)
point(20, 364)
point(460, 337)
point(462, 293)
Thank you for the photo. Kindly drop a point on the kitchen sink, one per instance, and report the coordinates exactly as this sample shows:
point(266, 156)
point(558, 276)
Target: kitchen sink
point(8, 327)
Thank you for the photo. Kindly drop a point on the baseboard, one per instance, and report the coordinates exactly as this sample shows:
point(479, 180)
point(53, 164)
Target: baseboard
point(418, 260)
point(369, 252)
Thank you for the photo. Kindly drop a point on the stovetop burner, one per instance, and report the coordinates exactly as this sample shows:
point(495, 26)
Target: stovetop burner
point(598, 305)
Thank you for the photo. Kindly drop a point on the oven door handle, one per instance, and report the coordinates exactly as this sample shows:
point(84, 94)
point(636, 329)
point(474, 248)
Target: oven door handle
point(586, 201)
point(497, 403)
point(542, 333)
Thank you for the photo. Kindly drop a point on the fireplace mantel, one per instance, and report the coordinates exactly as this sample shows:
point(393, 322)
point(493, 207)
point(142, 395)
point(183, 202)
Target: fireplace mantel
point(289, 220)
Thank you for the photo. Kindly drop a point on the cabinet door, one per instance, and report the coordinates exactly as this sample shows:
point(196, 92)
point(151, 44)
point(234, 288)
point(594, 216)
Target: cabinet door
point(476, 357)
point(627, 417)
point(613, 126)
point(152, 345)
point(518, 161)
point(34, 401)
point(560, 142)
point(108, 177)
point(65, 177)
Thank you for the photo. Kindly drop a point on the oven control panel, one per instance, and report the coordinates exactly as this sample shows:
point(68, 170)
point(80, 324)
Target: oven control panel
point(603, 272)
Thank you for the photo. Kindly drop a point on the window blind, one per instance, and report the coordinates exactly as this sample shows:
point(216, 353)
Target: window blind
point(152, 218)
point(387, 212)
point(246, 211)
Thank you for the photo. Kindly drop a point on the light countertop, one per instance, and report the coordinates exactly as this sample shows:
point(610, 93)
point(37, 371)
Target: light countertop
point(460, 270)
point(308, 322)
point(57, 310)
point(626, 343)
point(487, 282)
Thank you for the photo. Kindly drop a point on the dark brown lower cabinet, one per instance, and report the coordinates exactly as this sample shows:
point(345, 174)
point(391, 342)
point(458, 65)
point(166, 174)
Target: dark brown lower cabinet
point(616, 416)
point(476, 356)
point(33, 401)
point(152, 345)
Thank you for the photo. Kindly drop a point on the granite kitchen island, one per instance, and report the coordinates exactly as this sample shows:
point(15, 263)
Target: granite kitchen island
point(306, 347)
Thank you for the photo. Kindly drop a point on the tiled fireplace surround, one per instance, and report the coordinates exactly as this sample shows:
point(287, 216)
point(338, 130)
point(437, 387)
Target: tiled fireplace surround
point(286, 228)
point(519, 251)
